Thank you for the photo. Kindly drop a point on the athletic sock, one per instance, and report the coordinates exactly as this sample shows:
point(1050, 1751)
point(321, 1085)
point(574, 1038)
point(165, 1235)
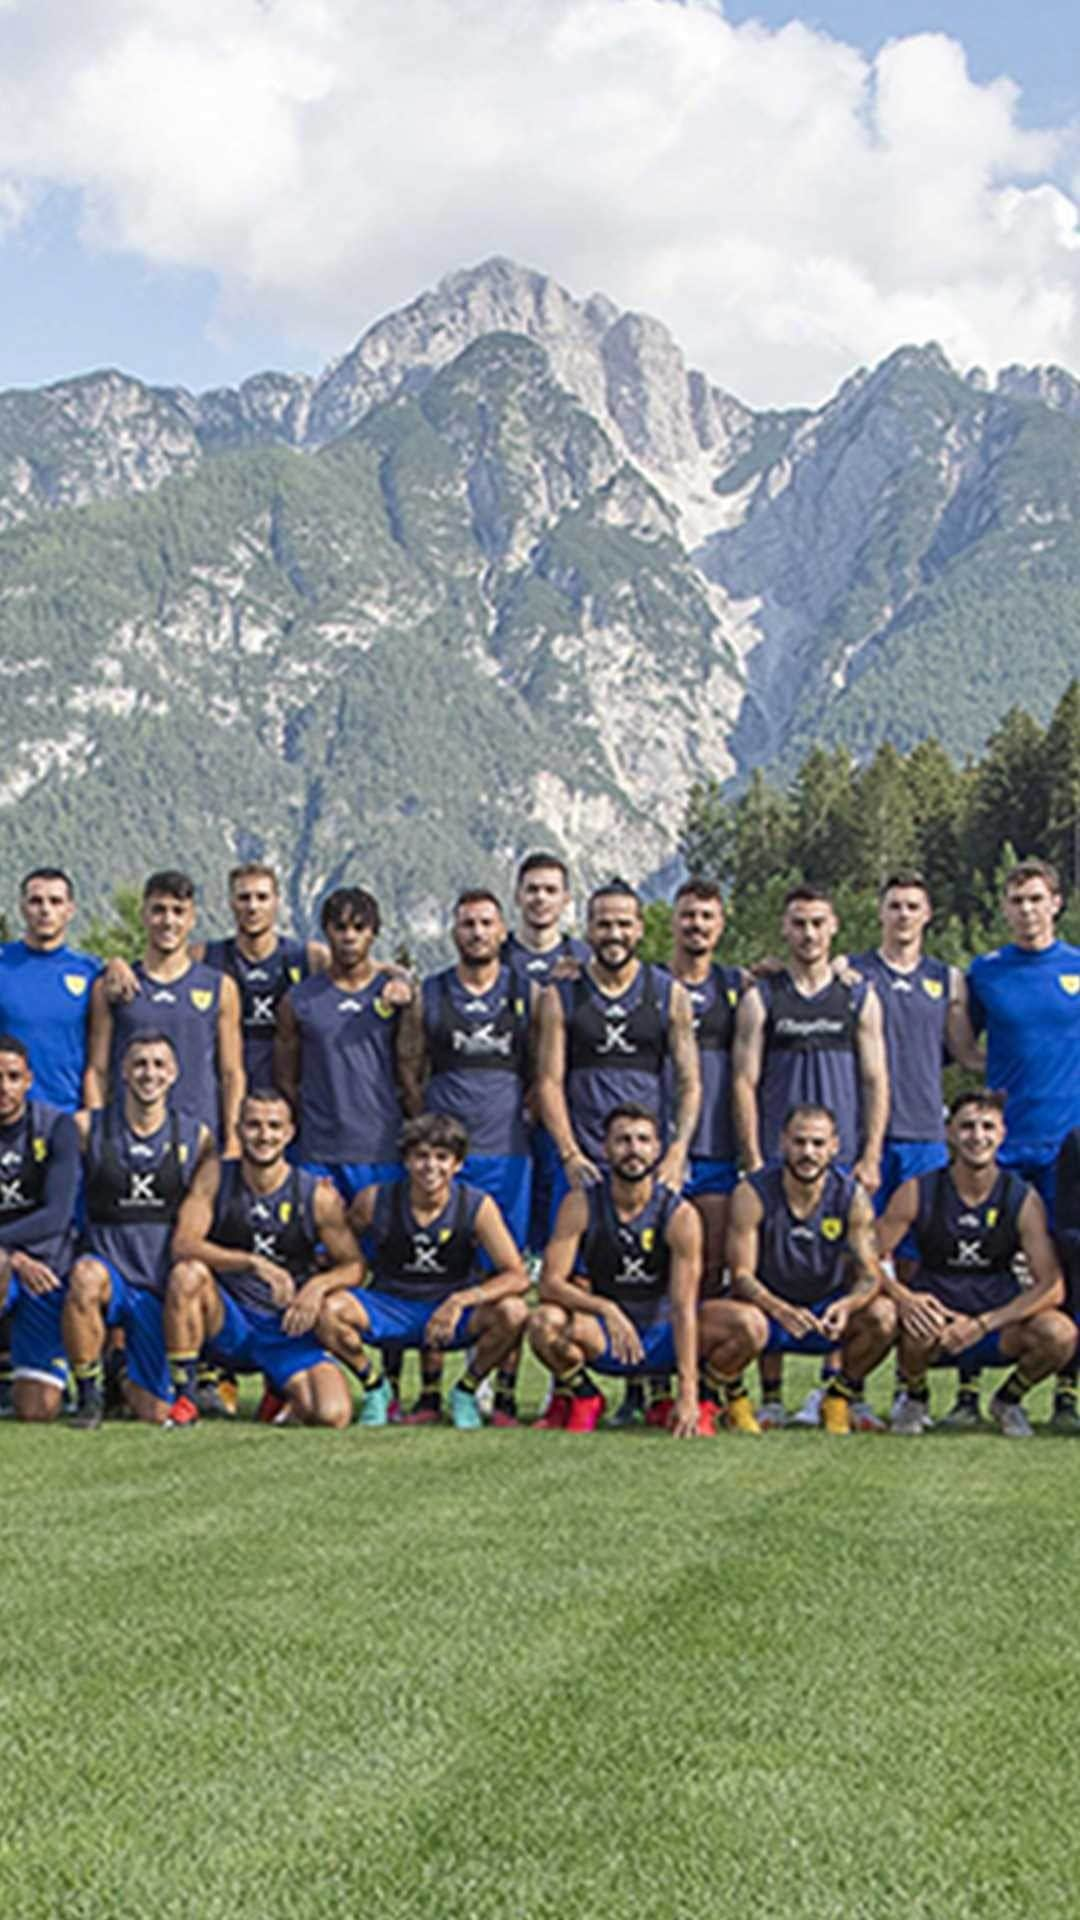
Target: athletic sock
point(576, 1383)
point(183, 1371)
point(506, 1390)
point(469, 1381)
point(967, 1396)
point(725, 1387)
point(843, 1387)
point(1012, 1390)
point(659, 1387)
point(89, 1382)
point(916, 1386)
point(968, 1376)
point(1065, 1385)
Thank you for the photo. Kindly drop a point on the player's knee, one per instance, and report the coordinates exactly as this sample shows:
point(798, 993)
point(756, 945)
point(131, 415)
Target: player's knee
point(187, 1279)
point(547, 1324)
point(87, 1282)
point(879, 1317)
point(1053, 1336)
point(512, 1316)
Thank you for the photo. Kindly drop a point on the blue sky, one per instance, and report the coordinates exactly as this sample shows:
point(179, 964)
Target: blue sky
point(195, 204)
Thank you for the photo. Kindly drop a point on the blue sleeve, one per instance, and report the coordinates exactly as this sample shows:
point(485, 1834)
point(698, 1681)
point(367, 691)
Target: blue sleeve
point(57, 1210)
point(975, 1005)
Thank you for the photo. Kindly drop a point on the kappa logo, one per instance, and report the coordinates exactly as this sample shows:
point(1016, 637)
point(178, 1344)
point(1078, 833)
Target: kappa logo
point(75, 983)
point(202, 999)
point(10, 1158)
point(350, 1006)
point(163, 998)
point(831, 1227)
point(260, 1210)
point(969, 1220)
point(933, 989)
point(905, 986)
point(801, 1233)
point(140, 1152)
point(261, 1011)
point(1070, 982)
point(258, 973)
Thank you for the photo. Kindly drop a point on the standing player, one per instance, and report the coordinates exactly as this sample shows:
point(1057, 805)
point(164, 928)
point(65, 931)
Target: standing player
point(138, 1161)
point(263, 962)
point(45, 1002)
point(247, 1283)
point(1026, 998)
point(538, 944)
point(605, 1039)
point(803, 1036)
point(969, 1222)
point(424, 1240)
point(804, 1274)
point(39, 1176)
point(336, 1053)
point(713, 991)
point(620, 1283)
point(467, 1049)
point(198, 1009)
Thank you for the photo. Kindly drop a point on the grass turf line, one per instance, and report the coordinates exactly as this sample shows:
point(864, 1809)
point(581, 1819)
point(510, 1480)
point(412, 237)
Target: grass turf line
point(491, 1675)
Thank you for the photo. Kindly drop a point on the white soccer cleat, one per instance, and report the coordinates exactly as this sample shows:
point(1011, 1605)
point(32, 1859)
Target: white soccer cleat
point(809, 1414)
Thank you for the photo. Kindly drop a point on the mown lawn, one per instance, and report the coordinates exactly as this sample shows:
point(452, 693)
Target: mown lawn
point(416, 1673)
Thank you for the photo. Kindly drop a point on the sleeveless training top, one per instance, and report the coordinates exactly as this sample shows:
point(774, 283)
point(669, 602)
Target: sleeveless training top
point(187, 1010)
point(628, 1260)
point(714, 1001)
point(26, 1148)
point(914, 1008)
point(615, 1049)
point(422, 1263)
point(262, 985)
point(279, 1225)
point(810, 1057)
point(803, 1260)
point(966, 1252)
point(349, 1105)
point(133, 1186)
point(478, 1050)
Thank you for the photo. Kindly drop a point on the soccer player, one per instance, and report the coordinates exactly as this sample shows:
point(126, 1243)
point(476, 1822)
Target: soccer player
point(39, 1176)
point(970, 1221)
point(423, 1241)
point(467, 1049)
point(139, 1160)
point(336, 1055)
point(45, 1002)
point(605, 1039)
point(1026, 998)
point(197, 1007)
point(538, 945)
point(804, 1273)
point(248, 1283)
point(713, 991)
point(620, 1283)
point(263, 962)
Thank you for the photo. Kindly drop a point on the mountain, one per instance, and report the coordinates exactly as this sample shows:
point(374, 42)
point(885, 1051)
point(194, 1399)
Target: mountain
point(508, 572)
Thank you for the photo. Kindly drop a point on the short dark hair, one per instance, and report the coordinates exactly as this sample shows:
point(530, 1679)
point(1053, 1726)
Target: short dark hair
point(905, 877)
point(983, 1097)
point(698, 888)
point(347, 906)
point(153, 1038)
point(266, 1095)
point(809, 1110)
point(169, 880)
point(434, 1130)
point(10, 1044)
point(253, 870)
point(806, 890)
point(475, 896)
point(47, 873)
point(1033, 869)
point(534, 860)
point(632, 1110)
point(615, 885)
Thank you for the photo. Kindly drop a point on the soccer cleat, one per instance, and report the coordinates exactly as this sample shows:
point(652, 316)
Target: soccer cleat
point(7, 1398)
point(424, 1414)
point(465, 1415)
point(269, 1407)
point(211, 1402)
point(504, 1417)
point(809, 1414)
point(835, 1414)
point(375, 1406)
point(659, 1412)
point(485, 1392)
point(864, 1419)
point(739, 1415)
point(183, 1412)
point(1064, 1418)
point(90, 1414)
point(631, 1411)
point(229, 1398)
point(708, 1414)
point(555, 1415)
point(772, 1413)
point(909, 1416)
point(1011, 1419)
point(963, 1417)
point(586, 1412)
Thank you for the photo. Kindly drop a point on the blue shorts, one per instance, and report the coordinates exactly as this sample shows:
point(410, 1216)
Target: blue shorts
point(905, 1160)
point(659, 1344)
point(507, 1179)
point(139, 1312)
point(781, 1341)
point(545, 1165)
point(394, 1322)
point(706, 1175)
point(985, 1353)
point(37, 1339)
point(1040, 1174)
point(256, 1343)
point(351, 1176)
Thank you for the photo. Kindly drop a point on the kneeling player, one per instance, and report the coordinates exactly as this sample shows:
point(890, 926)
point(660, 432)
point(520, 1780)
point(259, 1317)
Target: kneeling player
point(422, 1239)
point(620, 1282)
point(246, 1284)
point(969, 1222)
point(804, 1274)
point(39, 1174)
point(138, 1162)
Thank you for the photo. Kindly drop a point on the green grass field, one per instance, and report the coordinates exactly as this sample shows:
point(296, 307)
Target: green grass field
point(416, 1673)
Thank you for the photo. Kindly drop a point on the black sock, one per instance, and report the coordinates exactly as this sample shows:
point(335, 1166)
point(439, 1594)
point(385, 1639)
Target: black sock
point(577, 1384)
point(89, 1383)
point(183, 1371)
point(1065, 1387)
point(1012, 1390)
point(967, 1396)
point(659, 1387)
point(469, 1381)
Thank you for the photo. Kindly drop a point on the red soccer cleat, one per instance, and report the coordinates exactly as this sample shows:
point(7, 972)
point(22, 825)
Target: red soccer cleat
point(658, 1412)
point(421, 1417)
point(586, 1412)
point(183, 1412)
point(708, 1414)
point(500, 1418)
point(269, 1407)
point(557, 1415)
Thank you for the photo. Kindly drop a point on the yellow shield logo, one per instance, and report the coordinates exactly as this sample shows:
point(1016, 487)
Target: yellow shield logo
point(284, 1212)
point(444, 1235)
point(76, 983)
point(648, 1239)
point(202, 999)
point(294, 976)
point(1070, 982)
point(991, 1216)
point(933, 988)
point(384, 1012)
point(733, 998)
point(40, 1148)
point(831, 1227)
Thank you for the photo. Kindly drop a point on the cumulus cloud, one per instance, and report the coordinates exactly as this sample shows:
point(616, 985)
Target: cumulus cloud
point(787, 206)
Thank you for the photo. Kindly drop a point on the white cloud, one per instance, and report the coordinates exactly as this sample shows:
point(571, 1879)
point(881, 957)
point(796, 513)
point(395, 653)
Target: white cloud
point(788, 207)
